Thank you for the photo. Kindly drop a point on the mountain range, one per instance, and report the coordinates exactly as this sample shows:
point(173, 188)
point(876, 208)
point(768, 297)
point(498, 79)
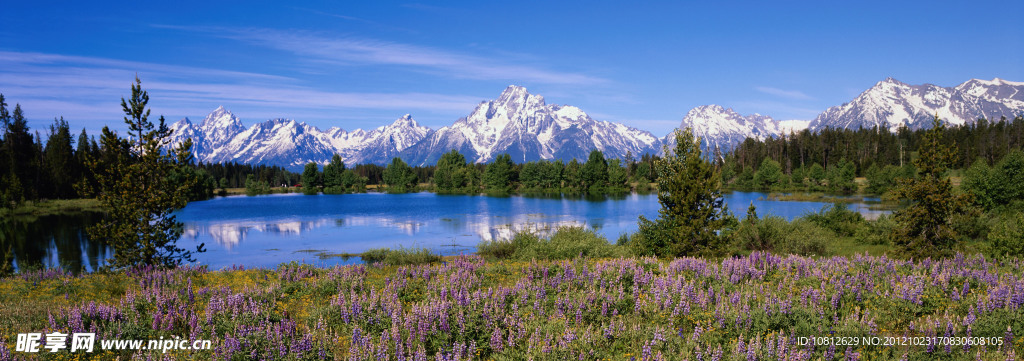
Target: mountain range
point(527, 128)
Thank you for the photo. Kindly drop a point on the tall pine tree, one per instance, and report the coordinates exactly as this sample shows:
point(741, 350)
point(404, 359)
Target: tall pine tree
point(692, 208)
point(134, 186)
point(925, 225)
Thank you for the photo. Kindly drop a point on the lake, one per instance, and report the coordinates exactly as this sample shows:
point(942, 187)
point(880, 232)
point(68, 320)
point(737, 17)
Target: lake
point(263, 231)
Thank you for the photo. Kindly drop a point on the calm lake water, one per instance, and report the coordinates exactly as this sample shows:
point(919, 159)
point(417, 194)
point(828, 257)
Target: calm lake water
point(264, 231)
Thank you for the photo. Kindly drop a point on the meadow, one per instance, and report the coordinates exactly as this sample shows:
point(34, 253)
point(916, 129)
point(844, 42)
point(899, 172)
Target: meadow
point(754, 307)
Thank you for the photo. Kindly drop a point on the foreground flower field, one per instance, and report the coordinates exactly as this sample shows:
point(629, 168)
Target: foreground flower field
point(760, 307)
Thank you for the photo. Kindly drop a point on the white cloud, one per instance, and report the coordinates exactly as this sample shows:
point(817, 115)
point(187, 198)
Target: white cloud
point(789, 94)
point(87, 88)
point(348, 51)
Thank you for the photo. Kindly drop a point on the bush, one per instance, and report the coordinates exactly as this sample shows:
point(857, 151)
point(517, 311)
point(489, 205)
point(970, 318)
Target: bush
point(565, 243)
point(806, 238)
point(400, 257)
point(838, 219)
point(878, 232)
point(1007, 236)
point(774, 234)
point(763, 234)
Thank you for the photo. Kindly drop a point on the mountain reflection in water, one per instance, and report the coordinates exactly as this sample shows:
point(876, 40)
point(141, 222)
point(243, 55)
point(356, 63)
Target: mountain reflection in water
point(264, 231)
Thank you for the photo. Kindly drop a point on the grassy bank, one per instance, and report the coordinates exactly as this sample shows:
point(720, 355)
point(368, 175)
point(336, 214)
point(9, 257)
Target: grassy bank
point(752, 307)
point(53, 207)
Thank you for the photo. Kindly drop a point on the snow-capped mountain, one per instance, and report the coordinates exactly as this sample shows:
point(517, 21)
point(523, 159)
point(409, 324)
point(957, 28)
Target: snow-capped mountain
point(724, 128)
point(221, 137)
point(891, 104)
point(524, 126)
point(380, 145)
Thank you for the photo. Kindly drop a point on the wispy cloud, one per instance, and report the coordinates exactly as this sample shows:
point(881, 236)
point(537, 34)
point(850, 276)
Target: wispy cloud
point(777, 110)
point(789, 94)
point(356, 51)
point(88, 88)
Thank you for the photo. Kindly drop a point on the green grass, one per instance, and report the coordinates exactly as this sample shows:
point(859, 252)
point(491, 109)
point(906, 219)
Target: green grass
point(565, 243)
point(400, 257)
point(53, 207)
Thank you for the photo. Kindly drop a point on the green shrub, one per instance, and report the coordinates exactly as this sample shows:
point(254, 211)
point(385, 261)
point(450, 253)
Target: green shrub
point(878, 232)
point(565, 243)
point(763, 234)
point(400, 257)
point(1007, 236)
point(806, 238)
point(774, 234)
point(838, 219)
point(375, 255)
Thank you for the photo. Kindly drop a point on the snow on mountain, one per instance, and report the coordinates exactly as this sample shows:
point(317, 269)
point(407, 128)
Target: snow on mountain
point(724, 128)
point(380, 145)
point(891, 104)
point(528, 129)
point(793, 126)
point(221, 137)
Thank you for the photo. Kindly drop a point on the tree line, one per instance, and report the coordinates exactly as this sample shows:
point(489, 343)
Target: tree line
point(829, 159)
point(454, 174)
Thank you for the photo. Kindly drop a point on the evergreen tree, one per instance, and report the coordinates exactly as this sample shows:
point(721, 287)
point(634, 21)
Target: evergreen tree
point(311, 178)
point(768, 175)
point(60, 162)
point(617, 176)
point(21, 155)
point(138, 194)
point(571, 175)
point(398, 176)
point(925, 229)
point(595, 172)
point(500, 174)
point(692, 209)
point(333, 171)
point(451, 173)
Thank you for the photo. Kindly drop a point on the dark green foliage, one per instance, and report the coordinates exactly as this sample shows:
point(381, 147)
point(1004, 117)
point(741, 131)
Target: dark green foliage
point(254, 187)
point(617, 176)
point(136, 190)
point(202, 183)
point(400, 257)
point(1007, 236)
point(925, 225)
point(774, 234)
point(841, 177)
point(452, 173)
point(692, 210)
point(769, 175)
point(353, 182)
point(837, 218)
point(500, 174)
point(997, 186)
point(399, 176)
point(311, 178)
point(21, 155)
point(644, 173)
point(333, 176)
point(571, 176)
point(236, 174)
point(62, 169)
point(881, 180)
point(565, 243)
point(594, 173)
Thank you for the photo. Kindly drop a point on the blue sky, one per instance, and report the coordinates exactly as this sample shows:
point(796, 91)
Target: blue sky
point(362, 64)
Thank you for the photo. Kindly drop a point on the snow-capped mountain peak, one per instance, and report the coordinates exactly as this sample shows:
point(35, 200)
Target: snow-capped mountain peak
point(528, 129)
point(724, 128)
point(891, 104)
